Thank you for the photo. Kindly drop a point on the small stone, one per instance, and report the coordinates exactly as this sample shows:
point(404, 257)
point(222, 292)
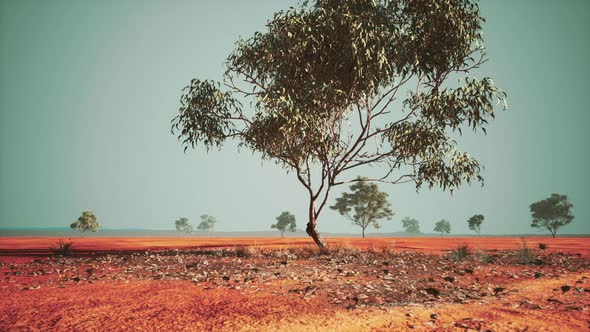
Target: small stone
point(432, 291)
point(449, 279)
point(553, 300)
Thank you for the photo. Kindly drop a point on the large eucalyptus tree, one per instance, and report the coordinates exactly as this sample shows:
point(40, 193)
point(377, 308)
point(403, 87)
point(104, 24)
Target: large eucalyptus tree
point(336, 85)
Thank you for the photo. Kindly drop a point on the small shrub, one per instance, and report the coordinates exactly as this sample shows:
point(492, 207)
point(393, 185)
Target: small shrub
point(460, 253)
point(217, 253)
point(524, 254)
point(243, 252)
point(484, 257)
point(62, 247)
point(542, 246)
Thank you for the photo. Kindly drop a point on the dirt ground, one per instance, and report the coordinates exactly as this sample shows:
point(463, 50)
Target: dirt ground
point(40, 245)
point(397, 284)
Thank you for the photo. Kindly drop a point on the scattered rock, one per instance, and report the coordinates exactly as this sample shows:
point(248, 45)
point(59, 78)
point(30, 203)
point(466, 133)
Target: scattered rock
point(449, 279)
point(498, 290)
point(432, 291)
point(565, 288)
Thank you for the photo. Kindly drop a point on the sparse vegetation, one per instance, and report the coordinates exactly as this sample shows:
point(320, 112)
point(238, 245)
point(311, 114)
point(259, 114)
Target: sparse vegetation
point(243, 251)
point(460, 253)
point(183, 225)
point(542, 246)
point(343, 277)
point(207, 223)
point(484, 257)
point(411, 225)
point(368, 202)
point(63, 248)
point(442, 227)
point(475, 223)
point(285, 222)
point(86, 222)
point(552, 213)
point(525, 254)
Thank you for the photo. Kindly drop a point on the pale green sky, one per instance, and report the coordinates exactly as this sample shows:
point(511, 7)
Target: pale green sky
point(88, 89)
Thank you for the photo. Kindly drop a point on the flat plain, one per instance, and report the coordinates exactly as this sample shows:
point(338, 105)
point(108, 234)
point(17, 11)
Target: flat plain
point(254, 284)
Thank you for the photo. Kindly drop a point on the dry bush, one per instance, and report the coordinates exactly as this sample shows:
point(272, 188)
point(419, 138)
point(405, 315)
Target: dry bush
point(243, 251)
point(460, 253)
point(63, 248)
point(484, 257)
point(524, 254)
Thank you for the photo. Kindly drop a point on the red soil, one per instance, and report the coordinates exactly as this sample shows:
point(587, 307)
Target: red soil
point(110, 304)
point(146, 305)
point(26, 245)
point(181, 306)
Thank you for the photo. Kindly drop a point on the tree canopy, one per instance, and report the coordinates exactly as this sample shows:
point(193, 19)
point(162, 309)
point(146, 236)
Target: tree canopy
point(369, 205)
point(411, 225)
point(338, 85)
point(475, 222)
point(552, 213)
point(285, 222)
point(183, 225)
point(86, 222)
point(207, 223)
point(442, 227)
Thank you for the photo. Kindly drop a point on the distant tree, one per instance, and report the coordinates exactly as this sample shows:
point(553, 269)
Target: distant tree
point(338, 85)
point(475, 223)
point(552, 213)
point(368, 202)
point(86, 222)
point(207, 223)
point(411, 225)
point(182, 225)
point(442, 227)
point(285, 222)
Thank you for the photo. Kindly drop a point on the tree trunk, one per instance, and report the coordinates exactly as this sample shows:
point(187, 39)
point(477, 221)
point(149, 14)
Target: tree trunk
point(312, 231)
point(282, 234)
point(311, 226)
point(363, 233)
